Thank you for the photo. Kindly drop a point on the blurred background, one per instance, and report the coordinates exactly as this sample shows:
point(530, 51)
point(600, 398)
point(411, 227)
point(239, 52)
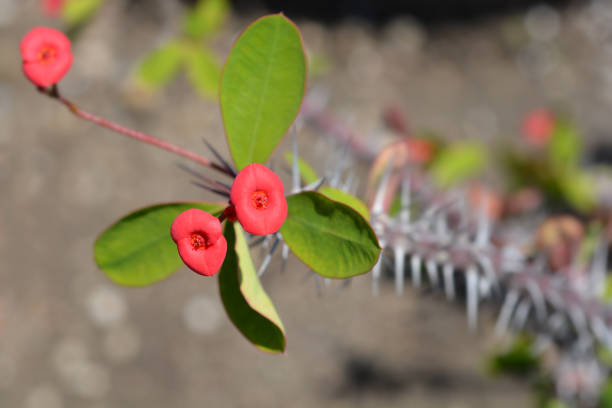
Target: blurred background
point(464, 69)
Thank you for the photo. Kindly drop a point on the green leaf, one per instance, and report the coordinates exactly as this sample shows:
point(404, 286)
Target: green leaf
point(330, 237)
point(458, 163)
point(577, 188)
point(244, 299)
point(137, 250)
point(203, 72)
point(76, 12)
point(262, 86)
point(161, 65)
point(519, 360)
point(206, 18)
point(306, 171)
point(565, 148)
point(346, 198)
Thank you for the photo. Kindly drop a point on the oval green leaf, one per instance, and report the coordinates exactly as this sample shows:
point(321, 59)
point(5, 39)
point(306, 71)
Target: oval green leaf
point(331, 238)
point(245, 301)
point(262, 86)
point(137, 250)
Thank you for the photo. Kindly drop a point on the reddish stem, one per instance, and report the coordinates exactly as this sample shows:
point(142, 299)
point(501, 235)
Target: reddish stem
point(53, 92)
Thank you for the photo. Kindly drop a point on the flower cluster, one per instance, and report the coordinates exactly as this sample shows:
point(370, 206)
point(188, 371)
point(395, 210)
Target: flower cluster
point(257, 201)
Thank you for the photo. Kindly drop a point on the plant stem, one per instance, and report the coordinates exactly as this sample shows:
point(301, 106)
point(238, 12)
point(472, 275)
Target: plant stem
point(53, 92)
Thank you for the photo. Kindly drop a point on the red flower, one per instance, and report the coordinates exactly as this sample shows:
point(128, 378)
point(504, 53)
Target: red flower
point(200, 241)
point(538, 127)
point(46, 55)
point(258, 195)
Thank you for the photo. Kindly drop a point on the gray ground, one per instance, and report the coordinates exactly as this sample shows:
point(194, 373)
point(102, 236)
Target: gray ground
point(70, 338)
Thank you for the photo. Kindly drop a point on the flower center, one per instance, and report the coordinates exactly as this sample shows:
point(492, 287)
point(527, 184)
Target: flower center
point(47, 53)
point(259, 200)
point(199, 240)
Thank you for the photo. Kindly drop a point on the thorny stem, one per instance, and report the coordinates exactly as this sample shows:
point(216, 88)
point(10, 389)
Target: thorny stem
point(53, 92)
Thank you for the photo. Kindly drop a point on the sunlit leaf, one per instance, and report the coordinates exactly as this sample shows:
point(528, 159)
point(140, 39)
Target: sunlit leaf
point(161, 65)
point(564, 147)
point(458, 163)
point(244, 299)
point(262, 86)
point(206, 17)
point(76, 12)
point(331, 238)
point(203, 72)
point(137, 250)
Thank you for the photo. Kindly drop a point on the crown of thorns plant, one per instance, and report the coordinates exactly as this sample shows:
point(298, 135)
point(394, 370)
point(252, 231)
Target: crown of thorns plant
point(454, 240)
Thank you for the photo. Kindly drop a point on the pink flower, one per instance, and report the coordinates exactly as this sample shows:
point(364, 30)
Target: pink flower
point(200, 241)
point(46, 55)
point(258, 196)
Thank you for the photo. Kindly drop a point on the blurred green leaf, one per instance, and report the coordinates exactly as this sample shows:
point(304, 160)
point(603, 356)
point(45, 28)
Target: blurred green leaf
point(262, 88)
point(346, 198)
point(206, 17)
point(519, 360)
point(457, 163)
point(244, 299)
point(76, 12)
point(605, 399)
point(203, 72)
point(564, 147)
point(577, 188)
point(331, 238)
point(138, 250)
point(306, 171)
point(161, 65)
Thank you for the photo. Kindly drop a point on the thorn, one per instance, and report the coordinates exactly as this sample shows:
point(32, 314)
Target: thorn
point(432, 272)
point(202, 177)
point(400, 254)
point(268, 258)
point(538, 300)
point(256, 240)
point(449, 283)
point(521, 315)
point(505, 315)
point(472, 297)
point(415, 268)
point(314, 186)
point(484, 231)
point(285, 257)
point(376, 276)
point(223, 162)
point(212, 190)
